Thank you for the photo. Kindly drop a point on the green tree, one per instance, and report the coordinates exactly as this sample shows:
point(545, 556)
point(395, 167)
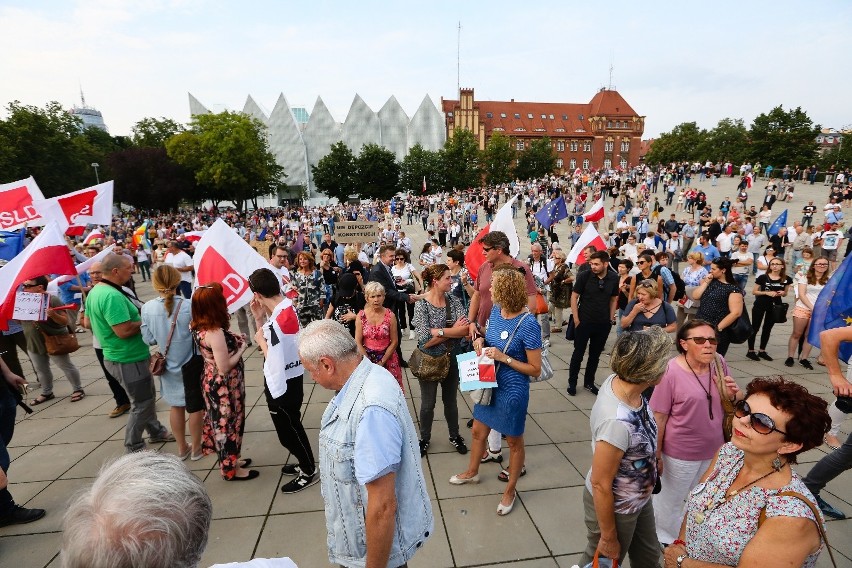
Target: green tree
point(728, 141)
point(146, 177)
point(682, 143)
point(334, 175)
point(153, 132)
point(782, 137)
point(420, 164)
point(497, 159)
point(228, 153)
point(47, 144)
point(536, 161)
point(461, 161)
point(377, 174)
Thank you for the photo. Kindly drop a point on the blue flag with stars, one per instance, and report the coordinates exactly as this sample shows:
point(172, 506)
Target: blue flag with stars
point(781, 221)
point(553, 212)
point(833, 307)
point(11, 243)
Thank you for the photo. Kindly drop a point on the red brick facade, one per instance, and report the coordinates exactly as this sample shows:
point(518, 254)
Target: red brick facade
point(604, 131)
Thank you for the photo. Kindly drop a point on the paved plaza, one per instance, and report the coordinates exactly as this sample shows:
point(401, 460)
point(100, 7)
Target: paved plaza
point(59, 449)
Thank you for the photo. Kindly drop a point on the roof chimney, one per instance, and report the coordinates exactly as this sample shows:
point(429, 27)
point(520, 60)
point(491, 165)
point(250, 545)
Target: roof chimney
point(513, 100)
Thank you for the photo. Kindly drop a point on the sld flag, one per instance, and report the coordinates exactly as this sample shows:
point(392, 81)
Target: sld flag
point(16, 204)
point(222, 256)
point(92, 205)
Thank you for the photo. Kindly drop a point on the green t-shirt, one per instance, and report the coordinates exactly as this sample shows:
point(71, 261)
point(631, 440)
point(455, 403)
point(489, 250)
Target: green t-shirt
point(106, 307)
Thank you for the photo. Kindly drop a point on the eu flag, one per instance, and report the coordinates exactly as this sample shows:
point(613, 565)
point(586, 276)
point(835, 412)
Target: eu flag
point(554, 211)
point(833, 307)
point(11, 243)
point(781, 221)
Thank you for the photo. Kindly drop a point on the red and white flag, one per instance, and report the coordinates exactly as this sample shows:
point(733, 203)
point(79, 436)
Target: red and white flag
point(424, 184)
point(95, 234)
point(92, 205)
point(194, 236)
point(590, 237)
point(475, 256)
point(16, 204)
point(46, 254)
point(222, 256)
point(596, 213)
point(282, 359)
point(83, 267)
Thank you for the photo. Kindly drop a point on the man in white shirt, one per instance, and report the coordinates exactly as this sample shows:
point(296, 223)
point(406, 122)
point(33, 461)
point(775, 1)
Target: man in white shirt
point(723, 241)
point(830, 243)
point(742, 263)
point(183, 263)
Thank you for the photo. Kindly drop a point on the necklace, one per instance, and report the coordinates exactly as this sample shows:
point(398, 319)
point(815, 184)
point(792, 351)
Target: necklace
point(710, 504)
point(706, 390)
point(624, 394)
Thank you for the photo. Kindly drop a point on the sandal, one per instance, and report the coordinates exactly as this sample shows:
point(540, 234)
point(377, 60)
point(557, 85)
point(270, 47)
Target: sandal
point(42, 398)
point(504, 474)
point(78, 395)
point(556, 330)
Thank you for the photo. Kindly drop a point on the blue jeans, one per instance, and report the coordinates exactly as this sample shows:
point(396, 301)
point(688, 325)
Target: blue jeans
point(741, 280)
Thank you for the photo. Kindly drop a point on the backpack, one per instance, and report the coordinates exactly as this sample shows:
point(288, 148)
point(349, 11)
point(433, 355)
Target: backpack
point(680, 285)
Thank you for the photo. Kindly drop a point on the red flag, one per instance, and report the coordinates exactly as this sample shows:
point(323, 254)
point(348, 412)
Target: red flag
point(46, 254)
point(590, 237)
point(92, 205)
point(222, 256)
point(16, 204)
point(475, 256)
point(596, 213)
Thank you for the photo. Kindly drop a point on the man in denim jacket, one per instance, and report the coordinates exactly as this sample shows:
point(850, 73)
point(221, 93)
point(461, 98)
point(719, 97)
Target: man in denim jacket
point(377, 510)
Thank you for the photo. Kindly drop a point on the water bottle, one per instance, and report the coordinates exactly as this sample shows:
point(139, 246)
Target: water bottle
point(601, 562)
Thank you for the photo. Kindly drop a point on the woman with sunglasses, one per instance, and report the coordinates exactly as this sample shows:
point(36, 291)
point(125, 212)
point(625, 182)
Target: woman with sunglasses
point(768, 290)
point(618, 512)
point(777, 421)
point(688, 411)
point(648, 309)
point(722, 301)
point(809, 289)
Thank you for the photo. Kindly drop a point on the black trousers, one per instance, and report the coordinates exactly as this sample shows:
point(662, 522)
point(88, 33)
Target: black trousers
point(118, 392)
point(287, 417)
point(8, 345)
point(594, 336)
point(401, 309)
point(761, 313)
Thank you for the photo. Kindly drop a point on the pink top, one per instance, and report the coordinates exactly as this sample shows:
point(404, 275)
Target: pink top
point(376, 337)
point(690, 434)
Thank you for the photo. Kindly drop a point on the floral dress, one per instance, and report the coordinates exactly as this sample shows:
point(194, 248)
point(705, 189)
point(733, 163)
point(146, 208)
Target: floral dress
point(377, 340)
point(721, 533)
point(224, 397)
point(311, 290)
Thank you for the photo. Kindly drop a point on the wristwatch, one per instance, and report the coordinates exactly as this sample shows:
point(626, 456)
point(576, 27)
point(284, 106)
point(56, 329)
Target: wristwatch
point(440, 332)
point(509, 360)
point(680, 560)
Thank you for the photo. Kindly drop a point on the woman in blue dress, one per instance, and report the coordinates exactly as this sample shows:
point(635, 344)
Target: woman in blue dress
point(513, 340)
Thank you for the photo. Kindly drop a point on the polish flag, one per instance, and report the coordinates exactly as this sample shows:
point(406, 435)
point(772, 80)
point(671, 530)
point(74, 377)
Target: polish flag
point(16, 204)
point(194, 236)
point(222, 256)
point(596, 213)
point(590, 237)
point(83, 267)
point(475, 256)
point(94, 235)
point(46, 254)
point(92, 205)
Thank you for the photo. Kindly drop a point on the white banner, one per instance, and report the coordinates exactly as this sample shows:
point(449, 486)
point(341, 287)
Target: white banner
point(222, 256)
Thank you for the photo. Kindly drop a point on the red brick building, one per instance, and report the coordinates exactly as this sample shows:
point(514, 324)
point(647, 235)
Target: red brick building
point(605, 132)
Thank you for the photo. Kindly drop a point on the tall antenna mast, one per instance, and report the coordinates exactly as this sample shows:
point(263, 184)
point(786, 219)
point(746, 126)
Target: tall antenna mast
point(610, 77)
point(458, 60)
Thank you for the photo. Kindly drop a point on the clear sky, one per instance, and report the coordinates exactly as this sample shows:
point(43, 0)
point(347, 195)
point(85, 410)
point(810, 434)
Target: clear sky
point(673, 61)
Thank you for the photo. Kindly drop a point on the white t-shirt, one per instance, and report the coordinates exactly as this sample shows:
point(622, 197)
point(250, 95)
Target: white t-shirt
point(738, 255)
point(831, 240)
point(180, 260)
point(723, 242)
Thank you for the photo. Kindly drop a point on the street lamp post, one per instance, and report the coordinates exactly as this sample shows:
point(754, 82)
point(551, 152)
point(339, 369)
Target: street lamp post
point(96, 166)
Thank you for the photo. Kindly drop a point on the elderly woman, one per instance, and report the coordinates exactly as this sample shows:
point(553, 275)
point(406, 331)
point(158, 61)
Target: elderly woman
point(722, 300)
point(619, 515)
point(751, 477)
point(57, 323)
point(513, 340)
point(688, 411)
point(440, 317)
point(560, 281)
point(692, 275)
point(376, 332)
point(648, 309)
point(165, 323)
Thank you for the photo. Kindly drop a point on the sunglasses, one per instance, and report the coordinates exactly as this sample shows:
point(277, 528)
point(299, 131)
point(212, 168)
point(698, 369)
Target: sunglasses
point(702, 340)
point(30, 285)
point(760, 422)
point(486, 249)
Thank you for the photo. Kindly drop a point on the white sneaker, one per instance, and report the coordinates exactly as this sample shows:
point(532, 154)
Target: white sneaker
point(411, 334)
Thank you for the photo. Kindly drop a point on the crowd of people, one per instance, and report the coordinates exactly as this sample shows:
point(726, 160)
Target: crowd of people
point(665, 482)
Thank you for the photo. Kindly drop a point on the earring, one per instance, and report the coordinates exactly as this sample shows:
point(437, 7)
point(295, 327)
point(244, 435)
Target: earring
point(777, 464)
